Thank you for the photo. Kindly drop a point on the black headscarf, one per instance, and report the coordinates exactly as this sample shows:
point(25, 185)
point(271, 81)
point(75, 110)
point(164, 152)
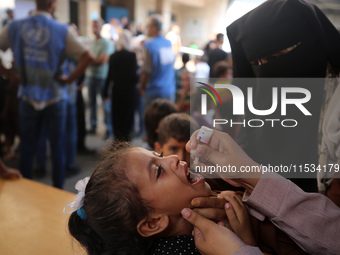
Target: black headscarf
point(284, 38)
point(277, 25)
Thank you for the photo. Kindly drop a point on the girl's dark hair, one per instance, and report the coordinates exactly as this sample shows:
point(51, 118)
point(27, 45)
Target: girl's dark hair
point(113, 208)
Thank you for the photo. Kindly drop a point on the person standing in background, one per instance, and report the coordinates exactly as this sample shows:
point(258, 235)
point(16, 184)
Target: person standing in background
point(124, 21)
point(96, 74)
point(115, 30)
point(123, 75)
point(71, 136)
point(10, 17)
point(174, 37)
point(39, 44)
point(178, 72)
point(217, 54)
point(202, 68)
point(158, 73)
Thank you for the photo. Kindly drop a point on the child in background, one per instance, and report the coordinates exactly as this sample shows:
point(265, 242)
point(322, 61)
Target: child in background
point(224, 73)
point(183, 95)
point(223, 69)
point(178, 72)
point(157, 110)
point(174, 132)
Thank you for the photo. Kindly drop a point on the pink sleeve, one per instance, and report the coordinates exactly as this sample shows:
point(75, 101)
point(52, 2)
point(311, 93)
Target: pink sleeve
point(310, 219)
point(248, 250)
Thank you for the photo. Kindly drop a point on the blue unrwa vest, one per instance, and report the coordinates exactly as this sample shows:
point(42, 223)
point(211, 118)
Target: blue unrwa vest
point(38, 44)
point(162, 80)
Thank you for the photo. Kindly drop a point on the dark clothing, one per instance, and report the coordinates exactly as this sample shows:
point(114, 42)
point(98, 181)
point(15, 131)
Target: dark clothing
point(276, 25)
point(6, 22)
point(178, 74)
point(9, 112)
point(3, 90)
point(215, 56)
point(174, 245)
point(81, 120)
point(30, 125)
point(81, 124)
point(123, 75)
point(284, 38)
point(270, 239)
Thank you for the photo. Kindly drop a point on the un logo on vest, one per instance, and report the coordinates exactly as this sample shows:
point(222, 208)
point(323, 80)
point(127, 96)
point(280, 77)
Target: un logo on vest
point(35, 35)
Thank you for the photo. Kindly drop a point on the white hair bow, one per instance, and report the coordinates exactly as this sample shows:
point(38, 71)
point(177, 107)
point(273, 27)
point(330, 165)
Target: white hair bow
point(80, 186)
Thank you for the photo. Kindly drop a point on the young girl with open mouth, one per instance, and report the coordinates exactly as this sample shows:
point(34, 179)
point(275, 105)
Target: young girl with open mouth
point(132, 204)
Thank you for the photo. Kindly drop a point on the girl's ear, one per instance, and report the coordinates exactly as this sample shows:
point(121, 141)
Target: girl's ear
point(151, 226)
point(158, 147)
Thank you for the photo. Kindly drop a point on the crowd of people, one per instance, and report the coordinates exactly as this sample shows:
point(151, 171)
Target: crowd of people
point(128, 67)
point(142, 200)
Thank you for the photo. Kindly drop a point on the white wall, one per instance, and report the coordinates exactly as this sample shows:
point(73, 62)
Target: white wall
point(5, 4)
point(86, 10)
point(62, 12)
point(142, 8)
point(200, 24)
point(198, 19)
point(23, 7)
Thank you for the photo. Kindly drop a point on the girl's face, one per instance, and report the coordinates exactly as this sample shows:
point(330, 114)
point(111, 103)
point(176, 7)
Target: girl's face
point(164, 181)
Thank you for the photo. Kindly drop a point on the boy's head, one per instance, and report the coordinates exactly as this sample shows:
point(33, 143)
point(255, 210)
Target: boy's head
point(222, 69)
point(174, 132)
point(219, 39)
point(157, 110)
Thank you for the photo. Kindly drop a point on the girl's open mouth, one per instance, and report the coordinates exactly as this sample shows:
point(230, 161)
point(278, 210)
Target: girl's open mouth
point(193, 178)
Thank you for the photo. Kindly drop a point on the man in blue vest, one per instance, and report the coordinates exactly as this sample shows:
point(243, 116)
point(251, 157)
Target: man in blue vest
point(39, 45)
point(158, 73)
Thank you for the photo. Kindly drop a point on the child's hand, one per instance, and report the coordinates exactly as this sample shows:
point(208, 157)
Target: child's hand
point(238, 217)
